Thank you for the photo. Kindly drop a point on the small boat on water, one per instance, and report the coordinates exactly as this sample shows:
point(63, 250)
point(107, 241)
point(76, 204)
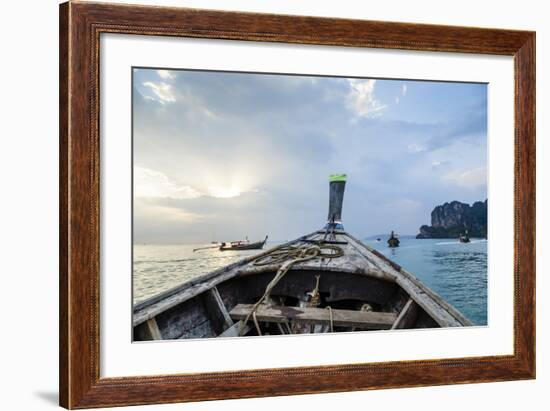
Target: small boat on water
point(393, 241)
point(235, 245)
point(324, 281)
point(464, 238)
point(243, 245)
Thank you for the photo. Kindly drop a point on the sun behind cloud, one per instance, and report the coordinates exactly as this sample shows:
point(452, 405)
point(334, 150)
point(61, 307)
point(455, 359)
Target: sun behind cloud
point(225, 192)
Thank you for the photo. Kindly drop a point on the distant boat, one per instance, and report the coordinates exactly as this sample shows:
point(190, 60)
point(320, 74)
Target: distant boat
point(464, 238)
point(378, 239)
point(393, 241)
point(243, 245)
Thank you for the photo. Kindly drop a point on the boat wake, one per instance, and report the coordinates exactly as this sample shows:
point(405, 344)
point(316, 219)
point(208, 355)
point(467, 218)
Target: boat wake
point(484, 240)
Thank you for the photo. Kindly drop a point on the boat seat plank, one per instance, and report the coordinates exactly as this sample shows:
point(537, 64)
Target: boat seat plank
point(341, 318)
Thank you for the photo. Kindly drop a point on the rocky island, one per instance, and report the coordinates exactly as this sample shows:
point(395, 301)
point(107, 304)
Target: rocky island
point(449, 220)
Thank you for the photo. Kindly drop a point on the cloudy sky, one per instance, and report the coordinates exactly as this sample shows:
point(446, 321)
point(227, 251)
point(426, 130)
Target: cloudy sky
point(221, 156)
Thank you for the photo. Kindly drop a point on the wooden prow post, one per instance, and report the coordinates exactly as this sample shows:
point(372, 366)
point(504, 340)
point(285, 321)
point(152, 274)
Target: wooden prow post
point(336, 199)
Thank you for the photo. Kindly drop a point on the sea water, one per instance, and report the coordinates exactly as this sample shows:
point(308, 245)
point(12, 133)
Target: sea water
point(158, 268)
point(456, 271)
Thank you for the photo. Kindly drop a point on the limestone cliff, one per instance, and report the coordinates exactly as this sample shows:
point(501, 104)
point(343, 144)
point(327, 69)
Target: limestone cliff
point(451, 219)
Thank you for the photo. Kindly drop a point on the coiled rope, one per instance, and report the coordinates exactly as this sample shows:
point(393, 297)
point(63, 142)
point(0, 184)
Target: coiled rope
point(287, 257)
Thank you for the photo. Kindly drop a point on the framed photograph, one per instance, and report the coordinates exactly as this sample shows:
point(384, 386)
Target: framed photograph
point(259, 205)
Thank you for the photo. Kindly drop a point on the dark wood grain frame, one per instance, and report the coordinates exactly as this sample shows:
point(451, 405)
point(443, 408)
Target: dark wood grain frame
point(80, 27)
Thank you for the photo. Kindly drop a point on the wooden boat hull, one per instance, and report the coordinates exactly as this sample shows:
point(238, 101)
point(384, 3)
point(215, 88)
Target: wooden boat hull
point(251, 246)
point(393, 243)
point(363, 290)
point(237, 247)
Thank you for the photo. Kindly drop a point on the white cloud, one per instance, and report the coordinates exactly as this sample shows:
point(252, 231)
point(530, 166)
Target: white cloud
point(151, 183)
point(473, 178)
point(162, 91)
point(151, 211)
point(166, 75)
point(362, 100)
point(416, 148)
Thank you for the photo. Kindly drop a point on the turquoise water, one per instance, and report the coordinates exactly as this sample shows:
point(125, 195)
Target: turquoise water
point(456, 271)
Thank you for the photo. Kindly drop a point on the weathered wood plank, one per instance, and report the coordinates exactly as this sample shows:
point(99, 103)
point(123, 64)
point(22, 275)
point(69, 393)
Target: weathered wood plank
point(221, 306)
point(183, 319)
point(217, 312)
point(345, 318)
point(153, 329)
point(233, 331)
point(407, 316)
point(162, 306)
point(201, 330)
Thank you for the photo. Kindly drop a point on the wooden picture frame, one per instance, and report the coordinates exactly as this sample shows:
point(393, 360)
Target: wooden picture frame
point(80, 27)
